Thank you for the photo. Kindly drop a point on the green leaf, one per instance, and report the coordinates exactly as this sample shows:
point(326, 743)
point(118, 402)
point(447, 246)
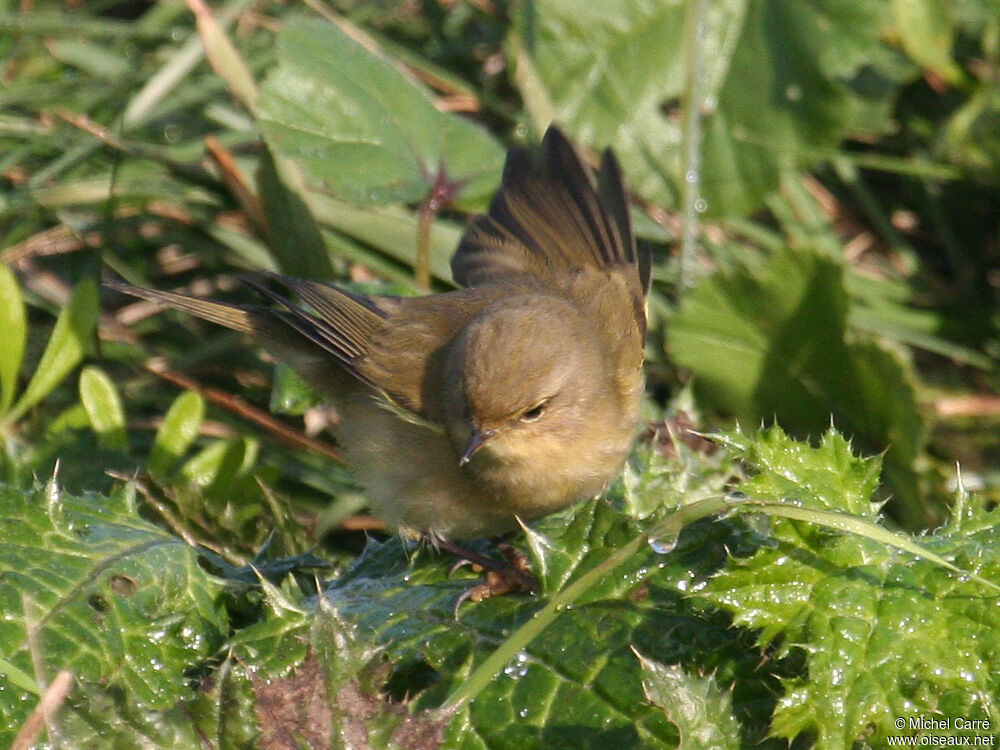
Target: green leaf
point(290, 394)
point(391, 230)
point(370, 133)
point(216, 467)
point(223, 56)
point(886, 636)
point(100, 398)
point(773, 343)
point(320, 683)
point(87, 585)
point(927, 32)
point(776, 85)
point(219, 458)
point(293, 235)
point(702, 713)
point(576, 683)
point(832, 477)
point(178, 62)
point(972, 135)
point(71, 338)
point(95, 59)
point(13, 336)
point(179, 429)
point(275, 642)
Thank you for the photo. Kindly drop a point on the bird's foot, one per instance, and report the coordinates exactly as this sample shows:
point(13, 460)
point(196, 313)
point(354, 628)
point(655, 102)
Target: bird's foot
point(500, 577)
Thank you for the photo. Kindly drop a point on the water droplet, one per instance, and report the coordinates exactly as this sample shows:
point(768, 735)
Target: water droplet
point(793, 92)
point(664, 545)
point(691, 177)
point(701, 205)
point(735, 496)
point(518, 668)
point(172, 133)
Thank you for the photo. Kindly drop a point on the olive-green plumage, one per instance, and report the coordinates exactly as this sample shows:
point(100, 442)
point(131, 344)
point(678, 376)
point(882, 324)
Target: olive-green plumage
point(509, 398)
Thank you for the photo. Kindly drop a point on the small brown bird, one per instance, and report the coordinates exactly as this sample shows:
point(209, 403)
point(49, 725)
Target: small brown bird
point(509, 398)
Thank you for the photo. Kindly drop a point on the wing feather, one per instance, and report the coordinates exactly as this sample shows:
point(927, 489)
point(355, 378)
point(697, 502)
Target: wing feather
point(548, 219)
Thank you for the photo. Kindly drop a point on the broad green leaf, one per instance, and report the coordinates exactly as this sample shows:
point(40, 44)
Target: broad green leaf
point(702, 713)
point(70, 340)
point(87, 585)
point(100, 398)
point(776, 84)
point(97, 717)
point(391, 230)
point(216, 467)
point(773, 343)
point(13, 336)
point(579, 662)
point(372, 135)
point(833, 477)
point(886, 636)
point(179, 429)
point(927, 33)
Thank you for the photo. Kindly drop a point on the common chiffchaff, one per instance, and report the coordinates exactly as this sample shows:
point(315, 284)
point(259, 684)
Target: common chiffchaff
point(510, 398)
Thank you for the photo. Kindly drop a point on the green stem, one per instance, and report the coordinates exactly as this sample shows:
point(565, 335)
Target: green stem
point(422, 266)
point(692, 100)
point(485, 673)
point(666, 530)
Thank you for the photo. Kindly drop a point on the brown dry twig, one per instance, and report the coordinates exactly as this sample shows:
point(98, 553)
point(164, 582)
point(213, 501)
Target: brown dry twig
point(41, 717)
point(242, 408)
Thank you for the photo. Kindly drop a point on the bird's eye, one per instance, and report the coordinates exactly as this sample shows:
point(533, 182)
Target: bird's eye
point(530, 415)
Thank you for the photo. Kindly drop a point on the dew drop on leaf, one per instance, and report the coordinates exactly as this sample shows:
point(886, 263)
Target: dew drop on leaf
point(663, 545)
point(518, 668)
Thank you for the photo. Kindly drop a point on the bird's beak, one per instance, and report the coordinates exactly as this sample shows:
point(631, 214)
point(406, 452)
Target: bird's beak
point(476, 440)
